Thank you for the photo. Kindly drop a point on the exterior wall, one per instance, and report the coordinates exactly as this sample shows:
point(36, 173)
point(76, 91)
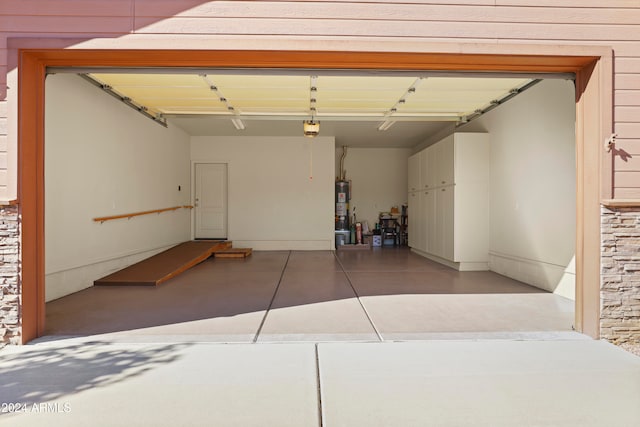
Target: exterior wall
point(4, 142)
point(620, 295)
point(613, 23)
point(386, 25)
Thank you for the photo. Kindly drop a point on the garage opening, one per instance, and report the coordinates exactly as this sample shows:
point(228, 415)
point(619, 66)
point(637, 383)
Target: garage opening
point(591, 66)
point(491, 252)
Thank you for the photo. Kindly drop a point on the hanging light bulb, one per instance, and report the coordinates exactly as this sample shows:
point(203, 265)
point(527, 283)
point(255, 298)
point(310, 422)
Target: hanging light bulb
point(311, 128)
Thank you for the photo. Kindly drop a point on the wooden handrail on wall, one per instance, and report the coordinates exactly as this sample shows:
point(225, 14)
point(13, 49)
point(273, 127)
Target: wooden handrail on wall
point(131, 215)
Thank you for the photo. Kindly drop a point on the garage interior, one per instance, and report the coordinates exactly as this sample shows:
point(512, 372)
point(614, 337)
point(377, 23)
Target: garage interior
point(104, 158)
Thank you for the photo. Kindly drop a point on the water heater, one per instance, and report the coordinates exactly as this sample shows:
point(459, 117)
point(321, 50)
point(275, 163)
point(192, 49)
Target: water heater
point(343, 195)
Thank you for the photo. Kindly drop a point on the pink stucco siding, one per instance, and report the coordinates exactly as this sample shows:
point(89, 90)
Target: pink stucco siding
point(614, 23)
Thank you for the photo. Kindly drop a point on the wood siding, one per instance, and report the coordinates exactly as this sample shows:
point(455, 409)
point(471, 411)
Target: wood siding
point(614, 23)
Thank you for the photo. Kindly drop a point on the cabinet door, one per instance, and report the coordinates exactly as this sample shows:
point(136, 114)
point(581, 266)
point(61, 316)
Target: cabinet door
point(413, 210)
point(414, 172)
point(422, 239)
point(472, 157)
point(424, 169)
point(429, 219)
point(445, 200)
point(445, 162)
point(431, 166)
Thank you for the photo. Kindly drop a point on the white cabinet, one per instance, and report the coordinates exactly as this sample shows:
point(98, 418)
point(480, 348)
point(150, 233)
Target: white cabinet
point(437, 164)
point(431, 176)
point(414, 219)
point(446, 167)
point(428, 228)
point(452, 208)
point(414, 172)
point(444, 222)
point(426, 169)
point(471, 221)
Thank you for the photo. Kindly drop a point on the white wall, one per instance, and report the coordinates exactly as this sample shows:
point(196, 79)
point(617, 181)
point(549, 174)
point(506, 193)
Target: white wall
point(532, 202)
point(378, 178)
point(280, 193)
point(103, 158)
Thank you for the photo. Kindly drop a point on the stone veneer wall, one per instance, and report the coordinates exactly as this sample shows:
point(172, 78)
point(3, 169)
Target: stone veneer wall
point(10, 327)
point(620, 291)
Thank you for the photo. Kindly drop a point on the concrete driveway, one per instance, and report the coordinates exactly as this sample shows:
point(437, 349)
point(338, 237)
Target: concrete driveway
point(571, 381)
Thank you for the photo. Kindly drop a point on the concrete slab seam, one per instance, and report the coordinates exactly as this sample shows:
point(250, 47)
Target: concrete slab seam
point(355, 292)
point(273, 298)
point(319, 387)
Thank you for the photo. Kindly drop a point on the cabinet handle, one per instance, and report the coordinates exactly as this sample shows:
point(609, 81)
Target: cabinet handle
point(444, 189)
point(444, 182)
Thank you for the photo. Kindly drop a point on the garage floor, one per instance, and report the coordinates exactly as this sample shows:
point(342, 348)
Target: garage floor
point(153, 355)
point(379, 295)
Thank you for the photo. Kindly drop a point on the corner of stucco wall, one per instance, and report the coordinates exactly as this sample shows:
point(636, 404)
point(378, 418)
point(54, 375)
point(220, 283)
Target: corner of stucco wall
point(620, 287)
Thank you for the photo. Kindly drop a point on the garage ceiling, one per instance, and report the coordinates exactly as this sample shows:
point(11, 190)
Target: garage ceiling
point(359, 110)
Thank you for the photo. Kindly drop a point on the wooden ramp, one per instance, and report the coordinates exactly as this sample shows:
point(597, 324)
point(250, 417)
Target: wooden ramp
point(165, 265)
point(233, 253)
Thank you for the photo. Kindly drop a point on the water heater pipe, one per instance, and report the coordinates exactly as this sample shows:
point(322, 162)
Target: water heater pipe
point(343, 173)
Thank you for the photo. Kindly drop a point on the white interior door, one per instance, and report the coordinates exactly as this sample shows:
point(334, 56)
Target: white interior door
point(210, 202)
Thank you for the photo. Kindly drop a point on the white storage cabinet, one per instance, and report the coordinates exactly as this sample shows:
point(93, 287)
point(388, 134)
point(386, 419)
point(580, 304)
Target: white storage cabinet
point(449, 215)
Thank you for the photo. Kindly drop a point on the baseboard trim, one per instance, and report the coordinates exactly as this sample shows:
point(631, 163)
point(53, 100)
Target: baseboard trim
point(549, 277)
point(460, 266)
point(285, 245)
